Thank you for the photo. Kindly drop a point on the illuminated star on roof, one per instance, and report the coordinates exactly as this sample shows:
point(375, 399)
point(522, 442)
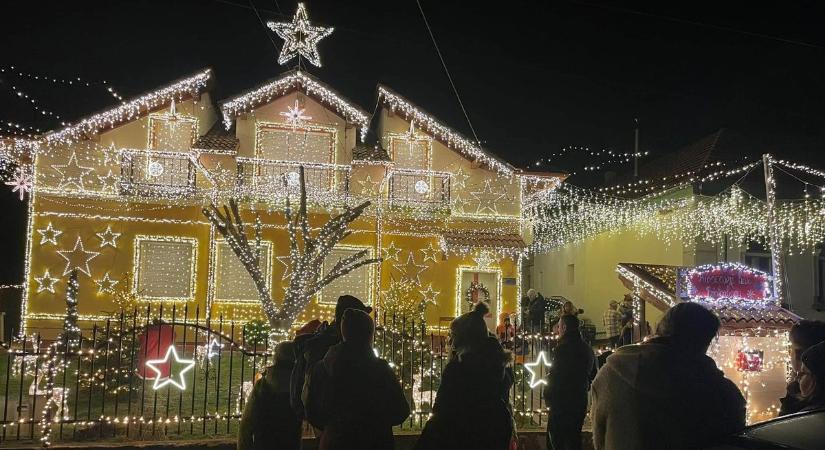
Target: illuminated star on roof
point(300, 38)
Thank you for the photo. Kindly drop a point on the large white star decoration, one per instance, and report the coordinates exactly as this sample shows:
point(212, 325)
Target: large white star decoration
point(429, 295)
point(108, 237)
point(429, 252)
point(368, 187)
point(300, 38)
point(391, 252)
point(106, 285)
point(487, 198)
point(536, 378)
point(109, 181)
point(410, 270)
point(21, 182)
point(49, 235)
point(295, 115)
point(46, 282)
point(77, 258)
point(180, 383)
point(71, 173)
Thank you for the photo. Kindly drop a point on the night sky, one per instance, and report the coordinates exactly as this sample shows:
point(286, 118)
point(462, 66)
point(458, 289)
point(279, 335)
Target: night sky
point(533, 76)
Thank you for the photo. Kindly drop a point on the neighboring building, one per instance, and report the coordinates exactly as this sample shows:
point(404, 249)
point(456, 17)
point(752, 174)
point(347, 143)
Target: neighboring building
point(121, 192)
point(585, 271)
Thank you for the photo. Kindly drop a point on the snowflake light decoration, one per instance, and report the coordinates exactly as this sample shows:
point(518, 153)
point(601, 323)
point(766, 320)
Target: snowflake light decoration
point(295, 115)
point(300, 38)
point(21, 182)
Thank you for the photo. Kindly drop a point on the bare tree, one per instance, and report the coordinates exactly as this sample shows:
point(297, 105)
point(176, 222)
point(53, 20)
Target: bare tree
point(306, 253)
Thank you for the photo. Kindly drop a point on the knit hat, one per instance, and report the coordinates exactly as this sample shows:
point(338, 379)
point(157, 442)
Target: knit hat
point(309, 328)
point(469, 329)
point(357, 326)
point(346, 302)
point(814, 360)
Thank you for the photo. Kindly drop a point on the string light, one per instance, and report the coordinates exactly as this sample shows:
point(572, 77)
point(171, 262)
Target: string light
point(300, 38)
point(536, 378)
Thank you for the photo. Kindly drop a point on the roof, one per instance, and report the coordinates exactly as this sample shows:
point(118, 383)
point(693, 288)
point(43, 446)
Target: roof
point(657, 285)
point(217, 138)
point(290, 81)
point(443, 133)
point(458, 240)
point(183, 88)
point(365, 152)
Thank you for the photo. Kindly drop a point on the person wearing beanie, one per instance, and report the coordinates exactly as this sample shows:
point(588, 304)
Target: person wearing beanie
point(812, 378)
point(310, 348)
point(268, 419)
point(471, 407)
point(353, 396)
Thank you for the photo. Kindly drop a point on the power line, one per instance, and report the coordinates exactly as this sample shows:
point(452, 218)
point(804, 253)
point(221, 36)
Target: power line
point(447, 71)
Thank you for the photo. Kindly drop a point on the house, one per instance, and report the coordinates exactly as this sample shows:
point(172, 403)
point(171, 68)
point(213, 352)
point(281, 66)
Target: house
point(581, 264)
point(119, 197)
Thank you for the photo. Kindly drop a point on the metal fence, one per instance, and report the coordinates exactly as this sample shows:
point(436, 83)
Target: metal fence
point(101, 388)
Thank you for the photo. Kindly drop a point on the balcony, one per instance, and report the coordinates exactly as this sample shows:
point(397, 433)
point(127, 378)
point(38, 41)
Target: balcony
point(156, 173)
point(416, 189)
point(269, 178)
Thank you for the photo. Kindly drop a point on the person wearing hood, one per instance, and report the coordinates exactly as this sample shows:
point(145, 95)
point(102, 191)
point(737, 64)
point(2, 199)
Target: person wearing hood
point(268, 419)
point(506, 331)
point(803, 335)
point(812, 378)
point(311, 346)
point(568, 381)
point(666, 393)
point(472, 409)
point(352, 395)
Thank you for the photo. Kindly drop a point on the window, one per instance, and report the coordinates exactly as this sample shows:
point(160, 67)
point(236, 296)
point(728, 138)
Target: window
point(232, 282)
point(758, 257)
point(311, 144)
point(165, 268)
point(357, 283)
point(408, 154)
point(172, 133)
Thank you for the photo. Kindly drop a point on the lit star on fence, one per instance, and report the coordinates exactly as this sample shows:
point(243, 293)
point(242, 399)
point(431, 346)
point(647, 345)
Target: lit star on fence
point(46, 282)
point(295, 115)
point(77, 258)
point(49, 234)
point(535, 378)
point(21, 182)
point(180, 383)
point(108, 237)
point(300, 38)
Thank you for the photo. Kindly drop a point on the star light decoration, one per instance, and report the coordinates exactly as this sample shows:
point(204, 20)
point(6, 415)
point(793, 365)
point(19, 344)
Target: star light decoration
point(429, 252)
point(300, 38)
point(109, 181)
point(535, 377)
point(77, 258)
point(392, 252)
point(487, 198)
point(46, 282)
point(49, 235)
point(460, 178)
point(295, 115)
point(410, 270)
point(429, 295)
point(160, 382)
point(21, 182)
point(108, 237)
point(71, 173)
point(106, 285)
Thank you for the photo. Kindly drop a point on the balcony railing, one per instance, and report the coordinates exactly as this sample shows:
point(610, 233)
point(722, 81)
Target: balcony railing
point(268, 178)
point(156, 173)
point(419, 189)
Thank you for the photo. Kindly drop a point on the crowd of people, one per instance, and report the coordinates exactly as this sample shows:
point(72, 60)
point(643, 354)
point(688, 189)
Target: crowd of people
point(663, 393)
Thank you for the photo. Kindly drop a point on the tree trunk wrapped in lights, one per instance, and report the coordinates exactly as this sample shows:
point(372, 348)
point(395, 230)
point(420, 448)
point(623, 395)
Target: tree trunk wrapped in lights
point(306, 253)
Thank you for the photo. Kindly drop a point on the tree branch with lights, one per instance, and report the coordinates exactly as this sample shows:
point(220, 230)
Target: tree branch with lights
point(306, 253)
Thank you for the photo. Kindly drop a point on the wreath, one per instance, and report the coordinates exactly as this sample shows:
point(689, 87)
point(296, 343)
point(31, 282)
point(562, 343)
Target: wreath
point(480, 291)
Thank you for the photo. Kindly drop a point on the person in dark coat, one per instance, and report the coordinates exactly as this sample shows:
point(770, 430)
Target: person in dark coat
point(311, 348)
point(352, 395)
point(537, 310)
point(568, 381)
point(803, 335)
point(626, 309)
point(812, 378)
point(268, 419)
point(666, 393)
point(472, 409)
